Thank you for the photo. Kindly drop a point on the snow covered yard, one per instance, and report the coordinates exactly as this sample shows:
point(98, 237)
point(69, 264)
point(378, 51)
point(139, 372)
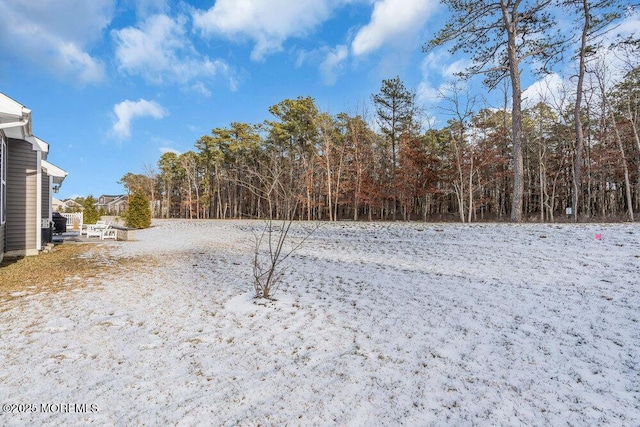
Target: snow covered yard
point(375, 324)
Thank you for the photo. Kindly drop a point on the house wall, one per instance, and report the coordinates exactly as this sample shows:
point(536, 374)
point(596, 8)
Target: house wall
point(22, 199)
point(117, 208)
point(46, 196)
point(3, 176)
point(2, 227)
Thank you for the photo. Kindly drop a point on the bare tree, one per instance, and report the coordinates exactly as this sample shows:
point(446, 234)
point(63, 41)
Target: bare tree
point(502, 35)
point(189, 162)
point(269, 183)
point(627, 100)
point(461, 109)
point(151, 184)
point(600, 73)
point(332, 157)
point(270, 251)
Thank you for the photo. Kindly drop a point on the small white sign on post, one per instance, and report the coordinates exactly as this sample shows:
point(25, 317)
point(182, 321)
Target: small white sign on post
point(569, 211)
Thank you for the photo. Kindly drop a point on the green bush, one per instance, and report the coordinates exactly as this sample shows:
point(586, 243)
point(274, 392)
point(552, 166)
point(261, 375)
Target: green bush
point(90, 214)
point(138, 215)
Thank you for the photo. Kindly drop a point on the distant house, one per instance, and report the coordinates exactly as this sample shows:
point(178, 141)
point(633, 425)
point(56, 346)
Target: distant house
point(27, 182)
point(57, 205)
point(113, 205)
point(71, 205)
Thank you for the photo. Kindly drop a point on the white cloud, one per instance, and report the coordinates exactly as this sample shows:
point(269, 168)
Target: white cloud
point(559, 89)
point(169, 150)
point(619, 60)
point(51, 35)
point(201, 88)
point(160, 51)
point(392, 20)
point(267, 22)
point(80, 63)
point(548, 89)
point(145, 8)
point(332, 63)
point(628, 27)
point(427, 94)
point(128, 110)
point(439, 69)
point(443, 64)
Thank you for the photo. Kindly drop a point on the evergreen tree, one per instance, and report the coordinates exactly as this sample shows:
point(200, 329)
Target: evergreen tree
point(396, 110)
point(138, 215)
point(90, 213)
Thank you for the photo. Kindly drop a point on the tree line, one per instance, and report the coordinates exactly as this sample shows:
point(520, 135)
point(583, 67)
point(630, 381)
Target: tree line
point(574, 155)
point(315, 165)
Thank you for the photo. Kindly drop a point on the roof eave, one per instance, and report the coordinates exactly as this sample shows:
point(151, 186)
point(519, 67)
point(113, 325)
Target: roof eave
point(54, 171)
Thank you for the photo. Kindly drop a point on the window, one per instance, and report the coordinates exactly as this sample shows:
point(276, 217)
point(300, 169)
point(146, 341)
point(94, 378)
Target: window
point(3, 179)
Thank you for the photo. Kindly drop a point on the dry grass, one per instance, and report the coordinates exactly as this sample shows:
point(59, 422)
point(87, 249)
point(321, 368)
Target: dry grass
point(68, 266)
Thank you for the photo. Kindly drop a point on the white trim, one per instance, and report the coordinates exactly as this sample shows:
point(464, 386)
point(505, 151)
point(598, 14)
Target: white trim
point(22, 252)
point(14, 115)
point(55, 172)
point(13, 124)
point(3, 182)
point(39, 201)
point(42, 145)
point(11, 107)
point(37, 143)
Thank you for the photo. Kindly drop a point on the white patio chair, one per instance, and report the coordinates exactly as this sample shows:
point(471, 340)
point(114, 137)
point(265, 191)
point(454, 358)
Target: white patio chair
point(109, 233)
point(94, 230)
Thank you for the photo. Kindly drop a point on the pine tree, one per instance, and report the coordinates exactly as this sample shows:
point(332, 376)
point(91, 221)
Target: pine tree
point(396, 111)
point(90, 214)
point(501, 37)
point(138, 215)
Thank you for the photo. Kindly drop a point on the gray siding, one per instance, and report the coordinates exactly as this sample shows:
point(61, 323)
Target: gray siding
point(3, 160)
point(22, 176)
point(1, 241)
point(46, 190)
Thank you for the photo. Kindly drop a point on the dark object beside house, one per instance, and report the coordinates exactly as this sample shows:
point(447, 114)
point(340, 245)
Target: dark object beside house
point(47, 235)
point(59, 223)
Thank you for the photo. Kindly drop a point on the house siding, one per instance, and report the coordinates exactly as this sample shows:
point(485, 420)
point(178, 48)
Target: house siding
point(22, 199)
point(2, 227)
point(3, 187)
point(46, 196)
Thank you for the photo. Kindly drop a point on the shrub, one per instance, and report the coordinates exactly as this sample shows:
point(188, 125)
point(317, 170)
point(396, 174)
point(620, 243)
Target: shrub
point(269, 254)
point(138, 215)
point(90, 214)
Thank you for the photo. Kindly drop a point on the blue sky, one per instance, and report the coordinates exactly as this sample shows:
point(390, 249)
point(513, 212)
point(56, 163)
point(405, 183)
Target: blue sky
point(112, 84)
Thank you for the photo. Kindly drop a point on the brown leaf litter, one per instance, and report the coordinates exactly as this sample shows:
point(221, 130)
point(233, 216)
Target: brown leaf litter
point(68, 266)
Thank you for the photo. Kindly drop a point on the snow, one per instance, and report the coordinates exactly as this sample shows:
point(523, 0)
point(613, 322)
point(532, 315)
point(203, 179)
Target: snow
point(374, 324)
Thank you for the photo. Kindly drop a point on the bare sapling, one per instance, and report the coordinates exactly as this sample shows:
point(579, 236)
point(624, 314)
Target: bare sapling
point(271, 244)
point(270, 253)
